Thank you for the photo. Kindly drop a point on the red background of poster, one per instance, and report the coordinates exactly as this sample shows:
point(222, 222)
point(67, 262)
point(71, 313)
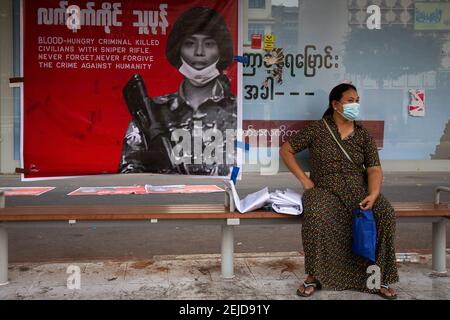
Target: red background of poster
point(256, 41)
point(75, 119)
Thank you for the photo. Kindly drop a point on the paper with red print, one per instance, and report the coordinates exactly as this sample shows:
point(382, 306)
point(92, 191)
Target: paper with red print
point(417, 106)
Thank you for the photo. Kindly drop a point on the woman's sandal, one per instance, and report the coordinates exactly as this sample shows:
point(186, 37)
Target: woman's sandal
point(315, 284)
point(393, 296)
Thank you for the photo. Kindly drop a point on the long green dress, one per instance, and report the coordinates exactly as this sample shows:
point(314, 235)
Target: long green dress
point(339, 188)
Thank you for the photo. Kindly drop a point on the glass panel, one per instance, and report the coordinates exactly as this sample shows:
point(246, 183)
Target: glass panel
point(322, 43)
point(256, 4)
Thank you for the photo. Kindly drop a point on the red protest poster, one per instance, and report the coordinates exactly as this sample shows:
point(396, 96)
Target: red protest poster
point(256, 41)
point(106, 83)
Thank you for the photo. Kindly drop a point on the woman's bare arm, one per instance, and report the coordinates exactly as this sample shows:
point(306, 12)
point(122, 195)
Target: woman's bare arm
point(288, 156)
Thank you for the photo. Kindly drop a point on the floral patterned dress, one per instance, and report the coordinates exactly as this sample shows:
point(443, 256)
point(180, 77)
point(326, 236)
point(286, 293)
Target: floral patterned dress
point(339, 188)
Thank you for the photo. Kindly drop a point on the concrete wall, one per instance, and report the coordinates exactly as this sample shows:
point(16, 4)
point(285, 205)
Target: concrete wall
point(7, 162)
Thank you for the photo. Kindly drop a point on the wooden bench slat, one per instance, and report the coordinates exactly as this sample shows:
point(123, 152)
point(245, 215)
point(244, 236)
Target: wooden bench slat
point(192, 211)
point(420, 206)
point(145, 212)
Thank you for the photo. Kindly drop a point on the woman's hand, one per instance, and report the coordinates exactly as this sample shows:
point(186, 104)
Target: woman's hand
point(368, 202)
point(307, 183)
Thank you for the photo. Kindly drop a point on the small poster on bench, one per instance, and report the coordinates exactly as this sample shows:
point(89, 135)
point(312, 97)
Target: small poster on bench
point(182, 189)
point(147, 189)
point(102, 191)
point(25, 191)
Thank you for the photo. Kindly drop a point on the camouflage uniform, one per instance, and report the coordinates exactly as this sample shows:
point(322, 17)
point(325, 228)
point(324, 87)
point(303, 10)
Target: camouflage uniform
point(173, 112)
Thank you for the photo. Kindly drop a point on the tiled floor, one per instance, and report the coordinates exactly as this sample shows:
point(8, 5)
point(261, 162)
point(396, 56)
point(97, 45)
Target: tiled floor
point(257, 276)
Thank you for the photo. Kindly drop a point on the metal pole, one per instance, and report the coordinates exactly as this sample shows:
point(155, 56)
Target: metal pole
point(2, 199)
point(439, 238)
point(227, 252)
point(439, 243)
point(3, 256)
point(227, 198)
point(231, 200)
point(3, 248)
point(437, 197)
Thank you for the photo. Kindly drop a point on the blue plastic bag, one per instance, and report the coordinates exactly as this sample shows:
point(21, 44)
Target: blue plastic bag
point(364, 234)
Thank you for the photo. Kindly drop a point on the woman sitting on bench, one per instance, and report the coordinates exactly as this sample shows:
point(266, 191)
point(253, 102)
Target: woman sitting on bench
point(337, 186)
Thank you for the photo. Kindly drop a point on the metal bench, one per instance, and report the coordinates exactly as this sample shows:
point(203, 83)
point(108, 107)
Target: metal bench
point(90, 215)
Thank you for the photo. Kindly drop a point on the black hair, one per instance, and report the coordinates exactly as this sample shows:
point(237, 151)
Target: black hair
point(200, 20)
point(336, 95)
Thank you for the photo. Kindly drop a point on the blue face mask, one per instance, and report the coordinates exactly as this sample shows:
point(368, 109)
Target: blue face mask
point(351, 111)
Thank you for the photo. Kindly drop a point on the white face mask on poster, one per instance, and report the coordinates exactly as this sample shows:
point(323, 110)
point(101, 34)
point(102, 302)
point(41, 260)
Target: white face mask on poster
point(199, 77)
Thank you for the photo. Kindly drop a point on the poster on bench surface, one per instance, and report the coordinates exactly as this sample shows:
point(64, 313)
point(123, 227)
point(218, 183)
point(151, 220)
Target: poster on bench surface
point(104, 191)
point(25, 191)
point(135, 86)
point(182, 189)
point(147, 189)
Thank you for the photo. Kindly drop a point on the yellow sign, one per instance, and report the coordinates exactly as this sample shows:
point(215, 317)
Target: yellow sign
point(432, 16)
point(269, 41)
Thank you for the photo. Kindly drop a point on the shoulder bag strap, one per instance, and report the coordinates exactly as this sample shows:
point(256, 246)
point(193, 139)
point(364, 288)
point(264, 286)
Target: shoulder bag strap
point(335, 139)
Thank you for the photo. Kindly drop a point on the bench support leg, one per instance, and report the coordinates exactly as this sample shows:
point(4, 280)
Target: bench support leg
point(227, 252)
point(229, 200)
point(3, 256)
point(439, 243)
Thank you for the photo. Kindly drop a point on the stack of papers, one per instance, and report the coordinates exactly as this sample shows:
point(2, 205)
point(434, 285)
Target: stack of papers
point(288, 202)
point(251, 202)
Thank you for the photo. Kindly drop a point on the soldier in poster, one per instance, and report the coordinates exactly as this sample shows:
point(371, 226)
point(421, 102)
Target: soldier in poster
point(200, 46)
